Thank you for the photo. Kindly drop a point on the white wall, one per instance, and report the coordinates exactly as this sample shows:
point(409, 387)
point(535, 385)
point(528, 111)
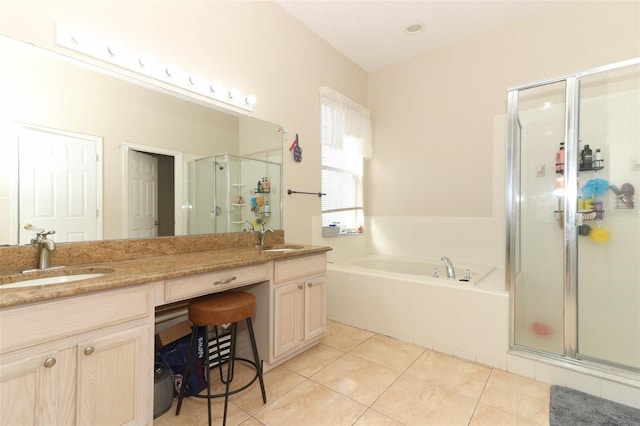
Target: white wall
point(437, 177)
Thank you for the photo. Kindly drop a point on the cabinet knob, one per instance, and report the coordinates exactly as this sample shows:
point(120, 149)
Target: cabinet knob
point(49, 362)
point(88, 350)
point(300, 286)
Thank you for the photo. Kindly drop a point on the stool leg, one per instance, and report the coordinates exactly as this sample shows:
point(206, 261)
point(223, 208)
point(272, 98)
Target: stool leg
point(256, 357)
point(186, 372)
point(230, 367)
point(217, 337)
point(207, 371)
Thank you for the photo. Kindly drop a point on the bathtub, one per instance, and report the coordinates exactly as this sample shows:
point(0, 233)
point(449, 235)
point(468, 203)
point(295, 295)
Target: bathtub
point(401, 298)
point(419, 270)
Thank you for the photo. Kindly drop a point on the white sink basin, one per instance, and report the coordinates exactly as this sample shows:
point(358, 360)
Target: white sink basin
point(280, 250)
point(284, 248)
point(51, 280)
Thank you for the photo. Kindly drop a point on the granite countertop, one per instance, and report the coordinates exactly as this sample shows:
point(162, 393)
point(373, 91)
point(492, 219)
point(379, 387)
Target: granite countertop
point(124, 273)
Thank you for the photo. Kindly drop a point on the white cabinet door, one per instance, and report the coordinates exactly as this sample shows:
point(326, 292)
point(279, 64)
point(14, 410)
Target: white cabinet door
point(315, 308)
point(111, 378)
point(289, 316)
point(31, 387)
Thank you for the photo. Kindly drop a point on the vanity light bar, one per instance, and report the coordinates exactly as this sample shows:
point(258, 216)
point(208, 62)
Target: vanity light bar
point(148, 66)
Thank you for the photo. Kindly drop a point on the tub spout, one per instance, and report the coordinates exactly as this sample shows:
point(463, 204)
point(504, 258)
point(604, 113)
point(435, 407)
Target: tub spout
point(451, 274)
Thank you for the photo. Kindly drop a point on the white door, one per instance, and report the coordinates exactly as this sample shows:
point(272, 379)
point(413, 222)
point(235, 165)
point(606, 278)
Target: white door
point(58, 185)
point(143, 195)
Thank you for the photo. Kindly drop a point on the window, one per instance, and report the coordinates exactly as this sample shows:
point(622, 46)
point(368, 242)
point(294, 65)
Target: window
point(346, 141)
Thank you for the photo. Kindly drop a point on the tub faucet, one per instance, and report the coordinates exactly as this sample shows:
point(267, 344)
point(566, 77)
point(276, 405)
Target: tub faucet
point(45, 247)
point(451, 273)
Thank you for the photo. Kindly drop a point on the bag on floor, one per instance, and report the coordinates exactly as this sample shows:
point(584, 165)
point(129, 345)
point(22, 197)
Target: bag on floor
point(175, 356)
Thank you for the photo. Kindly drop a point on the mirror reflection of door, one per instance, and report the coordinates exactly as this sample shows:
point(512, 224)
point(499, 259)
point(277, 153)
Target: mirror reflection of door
point(58, 184)
point(150, 207)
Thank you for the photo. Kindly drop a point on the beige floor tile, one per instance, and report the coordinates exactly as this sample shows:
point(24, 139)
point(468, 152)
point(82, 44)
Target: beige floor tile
point(517, 395)
point(344, 337)
point(277, 382)
point(373, 418)
point(388, 352)
point(313, 360)
point(414, 402)
point(464, 377)
point(251, 422)
point(490, 416)
point(242, 375)
point(194, 413)
point(357, 378)
point(311, 404)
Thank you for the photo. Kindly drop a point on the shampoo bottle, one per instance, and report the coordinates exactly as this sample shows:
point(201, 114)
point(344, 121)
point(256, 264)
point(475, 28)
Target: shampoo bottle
point(560, 159)
point(586, 157)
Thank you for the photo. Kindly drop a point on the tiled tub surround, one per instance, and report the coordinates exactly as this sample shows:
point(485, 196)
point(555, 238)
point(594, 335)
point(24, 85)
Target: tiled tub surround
point(470, 322)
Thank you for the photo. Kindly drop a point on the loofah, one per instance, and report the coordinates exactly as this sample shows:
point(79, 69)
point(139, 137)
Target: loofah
point(600, 235)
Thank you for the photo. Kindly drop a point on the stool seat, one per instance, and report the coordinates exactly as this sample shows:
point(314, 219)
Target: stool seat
point(222, 308)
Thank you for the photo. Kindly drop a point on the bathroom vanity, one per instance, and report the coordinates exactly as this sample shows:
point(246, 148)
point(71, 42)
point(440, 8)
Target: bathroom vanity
point(82, 352)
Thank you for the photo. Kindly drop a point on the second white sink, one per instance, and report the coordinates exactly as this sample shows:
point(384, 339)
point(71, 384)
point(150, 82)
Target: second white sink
point(279, 250)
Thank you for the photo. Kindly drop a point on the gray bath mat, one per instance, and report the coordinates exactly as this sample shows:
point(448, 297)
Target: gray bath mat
point(569, 407)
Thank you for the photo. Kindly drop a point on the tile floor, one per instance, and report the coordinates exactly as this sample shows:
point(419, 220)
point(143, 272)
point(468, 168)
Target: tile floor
point(355, 377)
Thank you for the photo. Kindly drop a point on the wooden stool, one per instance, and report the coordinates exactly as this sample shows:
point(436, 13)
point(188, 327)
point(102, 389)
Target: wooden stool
point(218, 309)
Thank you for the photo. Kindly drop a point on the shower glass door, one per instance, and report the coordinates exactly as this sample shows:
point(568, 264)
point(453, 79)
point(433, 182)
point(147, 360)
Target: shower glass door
point(539, 274)
point(574, 217)
point(609, 249)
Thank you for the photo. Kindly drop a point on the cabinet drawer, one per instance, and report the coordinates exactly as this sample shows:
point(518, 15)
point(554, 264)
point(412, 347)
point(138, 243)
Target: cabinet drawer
point(302, 267)
point(38, 323)
point(198, 285)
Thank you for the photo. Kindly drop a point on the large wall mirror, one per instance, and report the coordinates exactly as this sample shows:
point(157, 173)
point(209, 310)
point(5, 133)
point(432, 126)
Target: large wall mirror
point(90, 153)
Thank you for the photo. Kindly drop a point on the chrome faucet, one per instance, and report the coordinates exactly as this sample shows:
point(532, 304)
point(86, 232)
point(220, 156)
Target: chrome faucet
point(45, 247)
point(451, 273)
point(263, 233)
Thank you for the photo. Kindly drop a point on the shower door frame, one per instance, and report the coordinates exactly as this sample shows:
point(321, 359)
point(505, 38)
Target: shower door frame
point(570, 228)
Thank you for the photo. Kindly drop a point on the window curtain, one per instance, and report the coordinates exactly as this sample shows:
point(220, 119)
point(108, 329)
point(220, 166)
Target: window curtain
point(341, 117)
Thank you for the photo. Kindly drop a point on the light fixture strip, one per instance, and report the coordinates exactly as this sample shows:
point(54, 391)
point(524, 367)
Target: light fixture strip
point(147, 66)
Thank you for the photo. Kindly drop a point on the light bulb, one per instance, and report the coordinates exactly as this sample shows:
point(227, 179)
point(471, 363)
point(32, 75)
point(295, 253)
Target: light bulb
point(233, 93)
point(250, 100)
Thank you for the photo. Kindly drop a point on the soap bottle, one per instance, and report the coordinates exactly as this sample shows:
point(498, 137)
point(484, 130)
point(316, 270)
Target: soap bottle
point(560, 159)
point(597, 159)
point(586, 158)
point(267, 209)
point(259, 187)
point(266, 185)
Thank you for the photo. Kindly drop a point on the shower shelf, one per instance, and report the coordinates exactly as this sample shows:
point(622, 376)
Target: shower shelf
point(584, 216)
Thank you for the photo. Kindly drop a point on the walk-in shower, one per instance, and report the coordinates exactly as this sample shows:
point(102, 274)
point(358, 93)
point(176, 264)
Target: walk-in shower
point(229, 193)
point(573, 237)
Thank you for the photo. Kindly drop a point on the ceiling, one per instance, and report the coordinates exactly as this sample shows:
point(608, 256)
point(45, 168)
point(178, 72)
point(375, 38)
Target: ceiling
point(372, 33)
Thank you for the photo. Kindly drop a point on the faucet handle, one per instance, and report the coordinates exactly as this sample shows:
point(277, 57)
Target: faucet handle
point(39, 231)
